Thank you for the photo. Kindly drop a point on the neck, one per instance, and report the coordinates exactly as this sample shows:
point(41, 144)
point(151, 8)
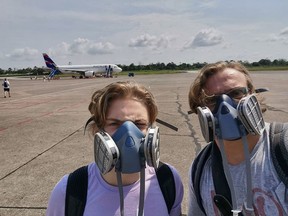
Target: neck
point(127, 179)
point(234, 150)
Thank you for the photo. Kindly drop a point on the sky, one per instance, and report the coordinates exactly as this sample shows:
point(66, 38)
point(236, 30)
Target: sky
point(141, 32)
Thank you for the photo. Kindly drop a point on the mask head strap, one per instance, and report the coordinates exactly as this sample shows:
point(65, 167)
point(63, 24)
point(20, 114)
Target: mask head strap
point(88, 122)
point(167, 124)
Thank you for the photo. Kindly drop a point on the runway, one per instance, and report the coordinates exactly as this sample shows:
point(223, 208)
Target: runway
point(41, 131)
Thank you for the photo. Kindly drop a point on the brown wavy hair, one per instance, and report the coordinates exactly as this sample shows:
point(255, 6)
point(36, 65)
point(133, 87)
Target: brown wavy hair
point(196, 93)
point(101, 100)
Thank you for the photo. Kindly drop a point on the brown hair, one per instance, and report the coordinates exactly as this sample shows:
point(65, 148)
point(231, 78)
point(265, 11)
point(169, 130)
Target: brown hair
point(101, 100)
point(196, 92)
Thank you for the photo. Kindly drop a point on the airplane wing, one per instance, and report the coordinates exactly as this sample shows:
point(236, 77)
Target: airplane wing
point(82, 72)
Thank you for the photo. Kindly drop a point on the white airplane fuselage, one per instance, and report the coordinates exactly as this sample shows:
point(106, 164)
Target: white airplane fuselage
point(90, 70)
point(96, 68)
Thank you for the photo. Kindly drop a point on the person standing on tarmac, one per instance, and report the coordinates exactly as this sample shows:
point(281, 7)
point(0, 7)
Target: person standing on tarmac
point(6, 87)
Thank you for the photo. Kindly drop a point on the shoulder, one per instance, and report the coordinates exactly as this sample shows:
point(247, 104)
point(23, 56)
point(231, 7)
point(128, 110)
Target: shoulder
point(61, 185)
point(201, 160)
point(56, 204)
point(93, 170)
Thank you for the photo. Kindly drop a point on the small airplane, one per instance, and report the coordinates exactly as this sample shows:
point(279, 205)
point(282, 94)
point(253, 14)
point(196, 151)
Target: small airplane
point(84, 70)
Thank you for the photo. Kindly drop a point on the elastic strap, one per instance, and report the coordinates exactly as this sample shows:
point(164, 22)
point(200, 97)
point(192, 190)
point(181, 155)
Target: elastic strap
point(142, 192)
point(120, 188)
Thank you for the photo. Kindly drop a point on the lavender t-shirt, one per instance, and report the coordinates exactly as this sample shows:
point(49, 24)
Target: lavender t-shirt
point(104, 199)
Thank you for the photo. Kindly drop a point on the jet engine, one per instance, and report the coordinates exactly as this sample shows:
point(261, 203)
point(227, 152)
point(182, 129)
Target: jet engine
point(89, 74)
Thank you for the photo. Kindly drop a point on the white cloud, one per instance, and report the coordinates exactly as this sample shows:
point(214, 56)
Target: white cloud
point(26, 53)
point(282, 36)
point(100, 48)
point(83, 46)
point(150, 41)
point(275, 38)
point(204, 38)
point(284, 31)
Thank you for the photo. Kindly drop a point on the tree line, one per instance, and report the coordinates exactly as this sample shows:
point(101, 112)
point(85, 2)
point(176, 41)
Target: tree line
point(153, 67)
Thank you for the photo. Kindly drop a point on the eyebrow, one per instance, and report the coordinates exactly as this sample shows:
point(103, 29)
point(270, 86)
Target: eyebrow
point(226, 91)
point(120, 121)
point(112, 119)
point(240, 87)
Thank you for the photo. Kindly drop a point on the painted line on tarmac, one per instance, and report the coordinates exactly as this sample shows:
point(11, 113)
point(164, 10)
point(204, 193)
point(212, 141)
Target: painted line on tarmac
point(46, 150)
point(21, 207)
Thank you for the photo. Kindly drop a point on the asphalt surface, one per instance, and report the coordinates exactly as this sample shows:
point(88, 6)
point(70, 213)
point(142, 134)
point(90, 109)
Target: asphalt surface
point(41, 131)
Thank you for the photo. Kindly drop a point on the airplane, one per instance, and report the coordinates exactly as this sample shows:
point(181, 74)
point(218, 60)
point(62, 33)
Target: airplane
point(84, 70)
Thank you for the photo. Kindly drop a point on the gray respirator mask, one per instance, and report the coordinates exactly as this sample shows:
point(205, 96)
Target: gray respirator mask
point(232, 121)
point(228, 117)
point(127, 150)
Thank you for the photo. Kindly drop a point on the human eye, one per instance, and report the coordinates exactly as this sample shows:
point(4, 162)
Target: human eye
point(237, 93)
point(112, 124)
point(142, 125)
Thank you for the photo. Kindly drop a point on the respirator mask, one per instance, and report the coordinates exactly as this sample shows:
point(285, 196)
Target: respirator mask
point(128, 150)
point(232, 120)
point(227, 118)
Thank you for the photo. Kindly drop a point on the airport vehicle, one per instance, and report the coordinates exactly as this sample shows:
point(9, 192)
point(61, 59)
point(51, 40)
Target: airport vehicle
point(86, 71)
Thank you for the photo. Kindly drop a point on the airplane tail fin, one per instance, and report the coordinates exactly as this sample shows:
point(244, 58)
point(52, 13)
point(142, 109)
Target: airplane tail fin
point(53, 73)
point(49, 62)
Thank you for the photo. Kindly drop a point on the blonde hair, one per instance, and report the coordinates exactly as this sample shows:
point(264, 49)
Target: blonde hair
point(101, 100)
point(196, 92)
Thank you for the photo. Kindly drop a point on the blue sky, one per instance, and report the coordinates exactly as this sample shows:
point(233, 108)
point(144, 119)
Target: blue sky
point(141, 32)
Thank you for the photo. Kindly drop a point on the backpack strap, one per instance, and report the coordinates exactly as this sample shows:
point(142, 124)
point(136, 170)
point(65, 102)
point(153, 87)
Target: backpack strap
point(197, 169)
point(222, 199)
point(76, 192)
point(167, 184)
point(279, 149)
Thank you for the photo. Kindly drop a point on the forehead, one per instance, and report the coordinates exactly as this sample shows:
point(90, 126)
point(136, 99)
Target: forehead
point(224, 81)
point(127, 109)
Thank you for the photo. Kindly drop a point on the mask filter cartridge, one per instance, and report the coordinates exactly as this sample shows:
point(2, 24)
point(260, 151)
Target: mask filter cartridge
point(106, 152)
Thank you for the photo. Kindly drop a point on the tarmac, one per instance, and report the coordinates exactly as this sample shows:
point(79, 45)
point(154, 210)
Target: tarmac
point(42, 137)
